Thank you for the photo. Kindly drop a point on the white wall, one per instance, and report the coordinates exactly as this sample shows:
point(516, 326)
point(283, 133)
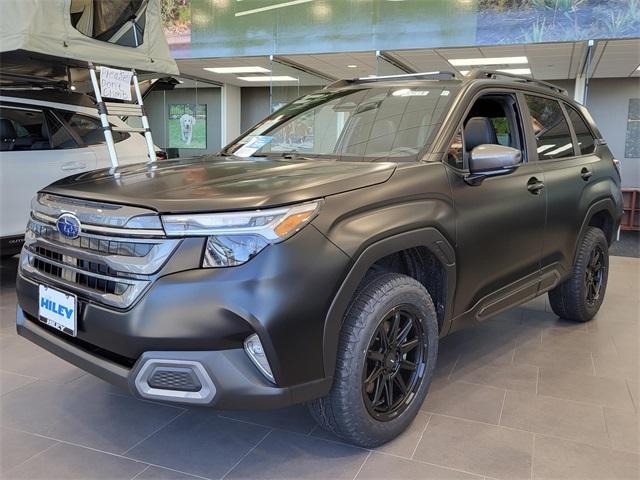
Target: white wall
point(608, 103)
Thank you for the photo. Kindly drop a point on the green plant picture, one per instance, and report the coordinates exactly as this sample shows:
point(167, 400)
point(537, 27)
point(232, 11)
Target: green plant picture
point(187, 125)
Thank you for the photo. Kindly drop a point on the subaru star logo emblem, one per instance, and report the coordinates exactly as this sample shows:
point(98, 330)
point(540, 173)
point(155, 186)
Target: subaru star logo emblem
point(68, 225)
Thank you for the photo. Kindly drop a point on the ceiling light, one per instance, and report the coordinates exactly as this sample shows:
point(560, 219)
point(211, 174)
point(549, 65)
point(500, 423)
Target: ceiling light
point(352, 66)
point(237, 69)
point(458, 62)
point(268, 78)
point(516, 71)
point(271, 7)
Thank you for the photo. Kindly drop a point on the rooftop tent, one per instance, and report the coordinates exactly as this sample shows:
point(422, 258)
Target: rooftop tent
point(42, 39)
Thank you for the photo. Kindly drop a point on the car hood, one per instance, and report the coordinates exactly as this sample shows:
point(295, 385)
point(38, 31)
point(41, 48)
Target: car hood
point(209, 184)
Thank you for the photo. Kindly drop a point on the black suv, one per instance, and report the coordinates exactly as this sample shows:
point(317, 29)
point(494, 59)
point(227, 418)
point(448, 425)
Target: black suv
point(320, 256)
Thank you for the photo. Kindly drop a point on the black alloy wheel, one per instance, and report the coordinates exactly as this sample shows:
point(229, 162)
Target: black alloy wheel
point(394, 364)
point(594, 275)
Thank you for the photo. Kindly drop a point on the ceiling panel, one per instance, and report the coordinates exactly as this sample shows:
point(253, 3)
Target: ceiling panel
point(336, 64)
point(548, 61)
point(620, 58)
point(195, 68)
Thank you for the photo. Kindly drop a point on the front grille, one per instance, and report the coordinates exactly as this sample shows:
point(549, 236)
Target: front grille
point(96, 284)
point(113, 268)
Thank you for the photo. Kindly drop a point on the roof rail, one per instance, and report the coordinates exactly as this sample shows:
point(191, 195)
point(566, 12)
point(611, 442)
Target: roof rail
point(444, 75)
point(481, 73)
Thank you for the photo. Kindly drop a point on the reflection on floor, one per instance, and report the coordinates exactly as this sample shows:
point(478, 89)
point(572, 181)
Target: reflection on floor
point(525, 395)
point(627, 246)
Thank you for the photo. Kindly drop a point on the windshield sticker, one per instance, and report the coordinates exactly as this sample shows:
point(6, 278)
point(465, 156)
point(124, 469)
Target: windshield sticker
point(253, 145)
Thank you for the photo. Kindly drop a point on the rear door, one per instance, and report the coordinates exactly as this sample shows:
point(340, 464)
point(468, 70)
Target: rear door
point(569, 167)
point(41, 152)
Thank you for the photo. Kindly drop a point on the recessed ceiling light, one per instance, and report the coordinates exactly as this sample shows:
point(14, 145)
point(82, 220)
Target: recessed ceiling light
point(459, 62)
point(352, 66)
point(269, 78)
point(516, 71)
point(237, 69)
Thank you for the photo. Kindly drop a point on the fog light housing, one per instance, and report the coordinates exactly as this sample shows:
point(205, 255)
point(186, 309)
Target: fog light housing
point(253, 349)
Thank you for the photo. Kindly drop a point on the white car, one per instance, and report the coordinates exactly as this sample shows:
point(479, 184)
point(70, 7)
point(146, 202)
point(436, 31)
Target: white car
point(44, 136)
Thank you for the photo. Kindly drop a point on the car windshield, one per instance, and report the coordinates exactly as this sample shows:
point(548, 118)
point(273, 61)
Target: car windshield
point(370, 124)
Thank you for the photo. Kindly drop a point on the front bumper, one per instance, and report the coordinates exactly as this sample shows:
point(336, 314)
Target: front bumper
point(234, 381)
point(203, 316)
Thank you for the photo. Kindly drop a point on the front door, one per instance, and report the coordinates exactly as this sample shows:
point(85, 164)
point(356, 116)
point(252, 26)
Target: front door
point(500, 222)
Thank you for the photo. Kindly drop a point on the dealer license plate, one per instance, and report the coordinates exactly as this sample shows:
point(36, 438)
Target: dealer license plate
point(58, 309)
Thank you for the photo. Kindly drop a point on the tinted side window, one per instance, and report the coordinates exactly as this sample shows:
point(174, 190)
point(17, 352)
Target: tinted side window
point(60, 138)
point(551, 129)
point(22, 129)
point(586, 140)
point(88, 129)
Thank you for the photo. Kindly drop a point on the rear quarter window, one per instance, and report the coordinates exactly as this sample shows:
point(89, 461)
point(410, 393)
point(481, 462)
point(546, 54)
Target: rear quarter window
point(586, 140)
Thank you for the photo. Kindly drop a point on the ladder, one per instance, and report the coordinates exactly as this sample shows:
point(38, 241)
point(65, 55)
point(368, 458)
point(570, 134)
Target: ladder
point(135, 109)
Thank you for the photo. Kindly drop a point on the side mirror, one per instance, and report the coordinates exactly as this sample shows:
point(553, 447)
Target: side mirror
point(489, 159)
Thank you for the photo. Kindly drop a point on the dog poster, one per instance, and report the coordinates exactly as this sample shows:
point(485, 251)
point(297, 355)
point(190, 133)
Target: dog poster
point(187, 125)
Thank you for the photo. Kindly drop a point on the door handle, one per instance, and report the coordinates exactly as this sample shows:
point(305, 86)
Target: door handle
point(73, 166)
point(586, 174)
point(535, 186)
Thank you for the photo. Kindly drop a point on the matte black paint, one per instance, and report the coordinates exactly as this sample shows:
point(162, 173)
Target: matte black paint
point(497, 242)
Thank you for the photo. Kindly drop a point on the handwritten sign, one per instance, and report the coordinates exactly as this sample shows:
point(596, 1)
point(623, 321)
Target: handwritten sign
point(115, 83)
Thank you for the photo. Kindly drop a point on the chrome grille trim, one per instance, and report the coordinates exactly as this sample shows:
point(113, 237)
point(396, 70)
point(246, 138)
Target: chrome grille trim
point(99, 217)
point(40, 234)
point(68, 279)
point(109, 263)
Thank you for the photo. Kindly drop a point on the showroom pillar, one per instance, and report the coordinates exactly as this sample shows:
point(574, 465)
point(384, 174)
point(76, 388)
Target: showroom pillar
point(582, 77)
point(230, 121)
point(580, 89)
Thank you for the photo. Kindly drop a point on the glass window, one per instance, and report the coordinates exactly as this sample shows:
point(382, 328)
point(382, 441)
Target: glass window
point(60, 137)
point(88, 129)
point(22, 129)
point(455, 152)
point(586, 140)
point(115, 21)
point(372, 124)
point(550, 127)
point(503, 130)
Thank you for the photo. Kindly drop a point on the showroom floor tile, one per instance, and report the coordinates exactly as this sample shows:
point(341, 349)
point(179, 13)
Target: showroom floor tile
point(525, 395)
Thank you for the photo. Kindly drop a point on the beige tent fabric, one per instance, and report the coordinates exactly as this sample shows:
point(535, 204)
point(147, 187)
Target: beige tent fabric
point(45, 27)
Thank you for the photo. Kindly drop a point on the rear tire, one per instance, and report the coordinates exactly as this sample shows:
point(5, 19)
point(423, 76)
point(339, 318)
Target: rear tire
point(390, 328)
point(580, 296)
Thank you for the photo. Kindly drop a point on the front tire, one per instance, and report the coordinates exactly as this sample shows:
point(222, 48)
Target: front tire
point(386, 358)
point(580, 296)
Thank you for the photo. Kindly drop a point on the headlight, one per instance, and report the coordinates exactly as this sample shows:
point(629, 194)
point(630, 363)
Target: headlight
point(236, 237)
